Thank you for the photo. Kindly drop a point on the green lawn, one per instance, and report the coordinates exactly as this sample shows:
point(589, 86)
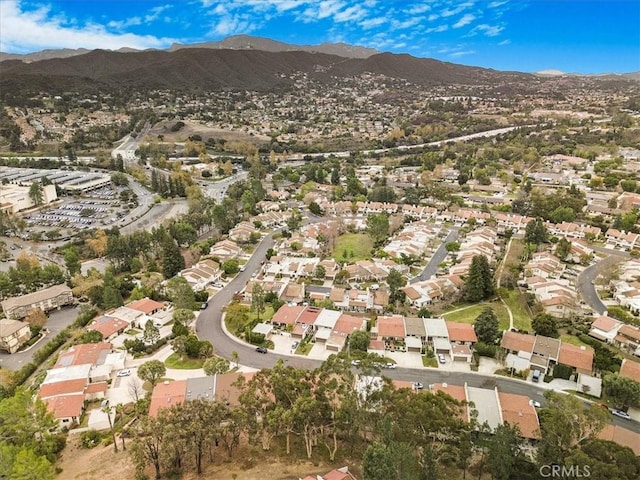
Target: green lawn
point(185, 364)
point(516, 302)
point(468, 313)
point(573, 340)
point(357, 246)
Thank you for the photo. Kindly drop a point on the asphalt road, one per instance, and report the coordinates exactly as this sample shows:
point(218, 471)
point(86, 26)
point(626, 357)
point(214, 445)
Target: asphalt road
point(209, 327)
point(586, 286)
point(58, 320)
point(437, 258)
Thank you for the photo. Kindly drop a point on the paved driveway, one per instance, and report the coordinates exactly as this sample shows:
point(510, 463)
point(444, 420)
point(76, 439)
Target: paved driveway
point(58, 320)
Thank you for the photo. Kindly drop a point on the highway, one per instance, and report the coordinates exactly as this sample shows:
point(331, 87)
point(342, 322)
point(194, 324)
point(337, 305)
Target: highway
point(209, 327)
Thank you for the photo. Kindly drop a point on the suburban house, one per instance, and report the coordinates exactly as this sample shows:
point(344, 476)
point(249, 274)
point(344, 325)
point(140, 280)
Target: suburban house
point(605, 328)
point(202, 274)
point(242, 232)
point(225, 250)
point(46, 299)
point(109, 327)
point(537, 352)
point(628, 339)
point(335, 474)
point(13, 334)
point(630, 369)
point(219, 387)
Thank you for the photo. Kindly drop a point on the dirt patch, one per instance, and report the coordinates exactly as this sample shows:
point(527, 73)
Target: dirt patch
point(193, 128)
point(102, 463)
point(99, 463)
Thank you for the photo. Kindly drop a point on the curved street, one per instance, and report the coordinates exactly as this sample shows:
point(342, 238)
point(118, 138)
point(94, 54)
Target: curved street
point(209, 327)
point(586, 281)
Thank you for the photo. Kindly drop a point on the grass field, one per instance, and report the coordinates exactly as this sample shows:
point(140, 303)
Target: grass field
point(514, 299)
point(356, 246)
point(468, 313)
point(573, 340)
point(173, 361)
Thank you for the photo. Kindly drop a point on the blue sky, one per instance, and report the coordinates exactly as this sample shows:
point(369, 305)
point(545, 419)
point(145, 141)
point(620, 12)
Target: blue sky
point(585, 36)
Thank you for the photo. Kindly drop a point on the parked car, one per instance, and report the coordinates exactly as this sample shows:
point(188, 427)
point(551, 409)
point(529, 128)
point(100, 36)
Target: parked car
point(294, 345)
point(621, 414)
point(204, 305)
point(441, 358)
point(124, 373)
point(535, 404)
point(261, 350)
point(391, 365)
point(417, 386)
point(355, 363)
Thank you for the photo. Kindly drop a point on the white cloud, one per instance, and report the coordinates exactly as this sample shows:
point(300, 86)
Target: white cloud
point(465, 20)
point(233, 24)
point(373, 22)
point(488, 30)
point(504, 42)
point(27, 31)
point(121, 25)
point(418, 9)
point(449, 12)
point(440, 28)
point(461, 53)
point(350, 14)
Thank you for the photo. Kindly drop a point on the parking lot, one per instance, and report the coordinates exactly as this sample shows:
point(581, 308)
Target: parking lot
point(98, 208)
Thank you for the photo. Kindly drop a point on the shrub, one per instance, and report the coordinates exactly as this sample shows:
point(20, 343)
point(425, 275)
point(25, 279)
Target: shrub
point(90, 438)
point(485, 350)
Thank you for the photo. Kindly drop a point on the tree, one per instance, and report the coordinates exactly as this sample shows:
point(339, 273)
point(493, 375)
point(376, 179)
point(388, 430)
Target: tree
point(215, 365)
point(563, 248)
point(231, 266)
point(487, 327)
point(183, 315)
point(180, 293)
point(27, 465)
point(428, 464)
point(503, 449)
point(72, 261)
point(316, 209)
point(625, 392)
point(359, 340)
point(235, 358)
point(565, 422)
point(151, 333)
point(545, 324)
point(377, 463)
point(479, 282)
point(257, 300)
point(111, 296)
point(378, 227)
point(152, 371)
point(36, 194)
point(536, 232)
point(172, 259)
point(36, 318)
point(320, 272)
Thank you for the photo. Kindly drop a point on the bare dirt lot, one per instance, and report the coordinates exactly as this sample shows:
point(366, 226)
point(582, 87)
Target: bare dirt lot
point(101, 463)
point(193, 128)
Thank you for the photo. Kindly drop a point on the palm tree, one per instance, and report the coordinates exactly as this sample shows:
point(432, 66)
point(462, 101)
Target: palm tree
point(107, 409)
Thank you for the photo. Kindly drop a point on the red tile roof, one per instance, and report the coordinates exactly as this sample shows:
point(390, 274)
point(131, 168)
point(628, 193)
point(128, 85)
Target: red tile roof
point(574, 356)
point(621, 436)
point(347, 324)
point(391, 327)
point(309, 315)
point(517, 411)
point(461, 332)
point(107, 326)
point(66, 387)
point(166, 394)
point(82, 354)
point(518, 341)
point(225, 390)
point(287, 315)
point(66, 406)
point(605, 323)
point(629, 332)
point(630, 369)
point(145, 305)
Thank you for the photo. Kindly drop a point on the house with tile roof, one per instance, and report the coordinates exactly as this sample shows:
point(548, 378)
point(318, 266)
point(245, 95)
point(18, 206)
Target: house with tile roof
point(605, 328)
point(630, 369)
point(13, 334)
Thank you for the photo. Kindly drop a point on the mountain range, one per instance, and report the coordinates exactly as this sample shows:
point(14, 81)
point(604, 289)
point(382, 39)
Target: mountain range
point(239, 62)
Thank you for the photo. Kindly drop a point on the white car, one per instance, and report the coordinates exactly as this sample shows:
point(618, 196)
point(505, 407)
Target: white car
point(534, 404)
point(417, 386)
point(621, 414)
point(355, 363)
point(441, 359)
point(124, 373)
point(391, 365)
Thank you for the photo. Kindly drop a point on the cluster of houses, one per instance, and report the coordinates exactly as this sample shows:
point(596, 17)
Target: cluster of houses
point(47, 299)
point(80, 375)
point(425, 292)
point(544, 277)
point(413, 240)
point(133, 315)
point(482, 241)
point(612, 331)
point(526, 352)
point(626, 289)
